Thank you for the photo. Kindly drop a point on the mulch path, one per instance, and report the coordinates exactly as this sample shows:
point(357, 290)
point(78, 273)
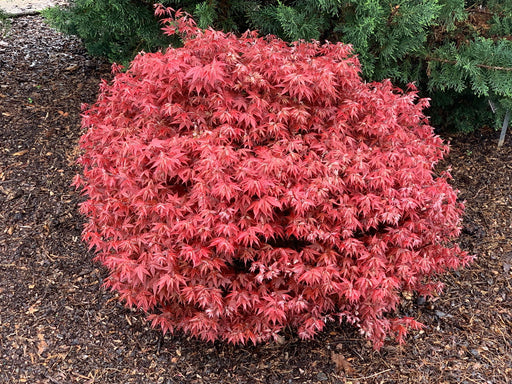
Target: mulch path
point(58, 326)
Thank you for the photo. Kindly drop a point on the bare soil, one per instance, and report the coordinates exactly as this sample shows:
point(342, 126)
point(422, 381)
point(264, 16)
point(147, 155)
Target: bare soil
point(58, 326)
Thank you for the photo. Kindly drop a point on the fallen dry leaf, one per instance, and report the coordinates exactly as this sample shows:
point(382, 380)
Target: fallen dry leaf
point(42, 345)
point(342, 365)
point(33, 309)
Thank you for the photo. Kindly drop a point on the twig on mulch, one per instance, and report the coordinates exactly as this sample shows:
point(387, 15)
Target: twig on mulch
point(369, 376)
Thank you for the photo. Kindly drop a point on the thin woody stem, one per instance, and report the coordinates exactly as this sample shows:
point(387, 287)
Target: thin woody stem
point(454, 62)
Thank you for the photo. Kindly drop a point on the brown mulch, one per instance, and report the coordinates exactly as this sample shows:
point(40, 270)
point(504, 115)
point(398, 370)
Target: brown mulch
point(57, 325)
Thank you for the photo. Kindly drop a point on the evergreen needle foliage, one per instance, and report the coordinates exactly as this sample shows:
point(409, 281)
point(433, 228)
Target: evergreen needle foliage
point(458, 52)
point(113, 29)
point(5, 23)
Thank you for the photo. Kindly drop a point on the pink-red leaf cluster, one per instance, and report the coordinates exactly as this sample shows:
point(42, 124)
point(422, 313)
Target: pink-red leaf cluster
point(239, 185)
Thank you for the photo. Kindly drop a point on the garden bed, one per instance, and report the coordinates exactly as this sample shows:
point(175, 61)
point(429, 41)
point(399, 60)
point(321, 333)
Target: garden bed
point(57, 325)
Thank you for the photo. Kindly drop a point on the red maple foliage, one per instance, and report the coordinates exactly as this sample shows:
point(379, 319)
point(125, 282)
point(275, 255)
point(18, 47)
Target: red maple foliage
point(238, 185)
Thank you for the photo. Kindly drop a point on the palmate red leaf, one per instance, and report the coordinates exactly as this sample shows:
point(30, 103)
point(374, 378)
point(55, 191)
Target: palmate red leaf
point(310, 327)
point(169, 282)
point(141, 272)
point(249, 237)
point(314, 276)
point(264, 207)
point(223, 246)
point(239, 185)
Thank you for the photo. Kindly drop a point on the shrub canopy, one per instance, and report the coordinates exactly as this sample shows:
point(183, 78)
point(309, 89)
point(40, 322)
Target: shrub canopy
point(240, 185)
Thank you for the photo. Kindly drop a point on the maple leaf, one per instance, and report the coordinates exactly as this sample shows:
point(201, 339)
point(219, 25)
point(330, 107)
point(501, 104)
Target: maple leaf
point(141, 272)
point(223, 245)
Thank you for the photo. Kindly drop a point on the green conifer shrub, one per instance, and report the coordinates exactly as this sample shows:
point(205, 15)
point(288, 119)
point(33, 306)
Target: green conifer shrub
point(455, 50)
point(114, 29)
point(458, 53)
point(5, 23)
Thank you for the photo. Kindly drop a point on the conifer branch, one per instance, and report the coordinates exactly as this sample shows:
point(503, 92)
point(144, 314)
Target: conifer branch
point(480, 10)
point(455, 62)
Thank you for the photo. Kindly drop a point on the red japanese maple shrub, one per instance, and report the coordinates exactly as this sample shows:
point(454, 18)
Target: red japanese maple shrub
point(240, 185)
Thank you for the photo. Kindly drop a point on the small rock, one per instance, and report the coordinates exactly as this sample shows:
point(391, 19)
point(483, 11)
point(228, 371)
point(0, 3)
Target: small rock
point(84, 272)
point(15, 195)
point(442, 314)
point(321, 376)
point(475, 352)
point(421, 300)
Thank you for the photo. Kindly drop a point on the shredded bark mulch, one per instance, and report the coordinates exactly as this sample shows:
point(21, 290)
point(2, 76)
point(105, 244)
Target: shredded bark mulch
point(58, 326)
